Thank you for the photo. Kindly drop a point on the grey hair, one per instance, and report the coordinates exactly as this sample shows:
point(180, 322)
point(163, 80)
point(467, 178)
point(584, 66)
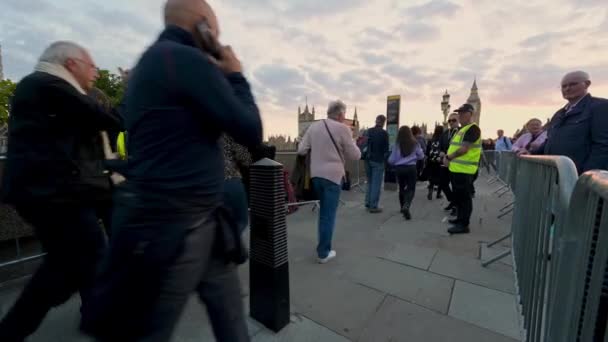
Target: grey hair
point(579, 74)
point(335, 108)
point(59, 52)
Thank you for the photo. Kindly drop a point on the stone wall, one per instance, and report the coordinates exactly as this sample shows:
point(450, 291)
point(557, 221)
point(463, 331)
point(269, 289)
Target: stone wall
point(288, 159)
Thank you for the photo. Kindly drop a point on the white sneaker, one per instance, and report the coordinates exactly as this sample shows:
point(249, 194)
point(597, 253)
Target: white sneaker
point(331, 255)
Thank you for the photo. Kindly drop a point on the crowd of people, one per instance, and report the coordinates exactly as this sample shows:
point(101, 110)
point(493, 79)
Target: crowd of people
point(166, 174)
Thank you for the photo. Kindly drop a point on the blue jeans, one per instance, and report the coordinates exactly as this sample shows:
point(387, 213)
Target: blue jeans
point(375, 174)
point(328, 193)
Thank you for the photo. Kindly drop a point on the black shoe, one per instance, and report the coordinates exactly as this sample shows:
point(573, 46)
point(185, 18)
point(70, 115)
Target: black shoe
point(439, 195)
point(450, 207)
point(454, 212)
point(459, 229)
point(454, 221)
point(406, 212)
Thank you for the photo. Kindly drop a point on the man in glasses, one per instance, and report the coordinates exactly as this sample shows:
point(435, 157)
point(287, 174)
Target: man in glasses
point(55, 178)
point(579, 130)
point(445, 173)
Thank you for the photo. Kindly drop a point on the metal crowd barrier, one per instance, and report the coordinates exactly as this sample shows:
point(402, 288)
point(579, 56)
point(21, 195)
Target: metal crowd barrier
point(542, 190)
point(578, 291)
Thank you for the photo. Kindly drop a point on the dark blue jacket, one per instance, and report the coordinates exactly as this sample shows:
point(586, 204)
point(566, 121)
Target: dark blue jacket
point(581, 134)
point(377, 144)
point(176, 107)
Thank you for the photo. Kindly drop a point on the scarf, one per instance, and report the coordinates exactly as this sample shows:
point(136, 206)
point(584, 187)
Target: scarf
point(60, 71)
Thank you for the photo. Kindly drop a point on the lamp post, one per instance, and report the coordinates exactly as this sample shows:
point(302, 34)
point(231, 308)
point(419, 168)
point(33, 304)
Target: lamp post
point(445, 108)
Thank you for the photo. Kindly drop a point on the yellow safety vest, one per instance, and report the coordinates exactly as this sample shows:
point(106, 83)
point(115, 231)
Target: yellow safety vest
point(468, 163)
point(121, 146)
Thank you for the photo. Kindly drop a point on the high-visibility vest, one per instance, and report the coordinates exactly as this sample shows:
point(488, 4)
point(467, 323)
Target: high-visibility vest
point(468, 163)
point(121, 146)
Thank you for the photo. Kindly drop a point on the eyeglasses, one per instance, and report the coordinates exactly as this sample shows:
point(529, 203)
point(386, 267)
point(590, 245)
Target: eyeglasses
point(90, 65)
point(452, 120)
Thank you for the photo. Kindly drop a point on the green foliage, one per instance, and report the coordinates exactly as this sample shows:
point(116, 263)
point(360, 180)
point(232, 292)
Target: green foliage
point(7, 88)
point(111, 84)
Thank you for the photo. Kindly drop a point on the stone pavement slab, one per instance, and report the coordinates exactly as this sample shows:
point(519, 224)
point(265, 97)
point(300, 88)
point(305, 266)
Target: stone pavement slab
point(495, 276)
point(338, 304)
point(300, 329)
point(486, 308)
point(400, 321)
point(419, 257)
point(414, 285)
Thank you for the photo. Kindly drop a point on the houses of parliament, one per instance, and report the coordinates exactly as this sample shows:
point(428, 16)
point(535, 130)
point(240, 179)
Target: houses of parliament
point(308, 116)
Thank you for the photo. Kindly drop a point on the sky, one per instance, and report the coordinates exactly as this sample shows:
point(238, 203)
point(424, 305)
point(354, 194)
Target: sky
point(355, 50)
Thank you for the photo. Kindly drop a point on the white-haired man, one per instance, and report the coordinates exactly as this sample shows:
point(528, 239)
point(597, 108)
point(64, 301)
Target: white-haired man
point(579, 130)
point(330, 143)
point(54, 176)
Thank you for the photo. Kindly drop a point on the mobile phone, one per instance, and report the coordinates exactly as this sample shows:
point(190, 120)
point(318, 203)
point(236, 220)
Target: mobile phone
point(208, 43)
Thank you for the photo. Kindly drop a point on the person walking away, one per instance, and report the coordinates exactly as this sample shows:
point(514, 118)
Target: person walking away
point(434, 162)
point(463, 161)
point(417, 132)
point(170, 223)
point(579, 130)
point(531, 142)
point(377, 152)
point(330, 143)
point(55, 178)
point(404, 156)
point(444, 176)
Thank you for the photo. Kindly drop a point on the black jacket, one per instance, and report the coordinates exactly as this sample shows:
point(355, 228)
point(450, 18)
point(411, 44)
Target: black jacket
point(377, 144)
point(55, 151)
point(581, 134)
point(444, 143)
point(178, 104)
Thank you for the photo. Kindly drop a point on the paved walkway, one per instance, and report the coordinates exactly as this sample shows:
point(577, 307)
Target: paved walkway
point(392, 280)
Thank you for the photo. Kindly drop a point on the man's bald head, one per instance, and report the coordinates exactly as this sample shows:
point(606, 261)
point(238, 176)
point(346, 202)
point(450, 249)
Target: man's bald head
point(575, 85)
point(188, 13)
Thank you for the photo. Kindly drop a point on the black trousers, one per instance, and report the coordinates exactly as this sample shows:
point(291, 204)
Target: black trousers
point(462, 187)
point(444, 183)
point(406, 178)
point(74, 243)
point(160, 253)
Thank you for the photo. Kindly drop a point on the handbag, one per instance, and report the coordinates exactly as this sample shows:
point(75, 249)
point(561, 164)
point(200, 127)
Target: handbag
point(344, 179)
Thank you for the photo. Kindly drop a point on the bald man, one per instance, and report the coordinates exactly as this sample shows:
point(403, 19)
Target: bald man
point(579, 130)
point(185, 92)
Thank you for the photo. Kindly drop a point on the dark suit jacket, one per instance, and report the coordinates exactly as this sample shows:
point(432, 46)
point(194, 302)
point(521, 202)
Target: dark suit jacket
point(55, 150)
point(581, 134)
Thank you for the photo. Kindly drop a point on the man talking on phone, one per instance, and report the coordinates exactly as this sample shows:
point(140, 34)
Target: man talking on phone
point(185, 92)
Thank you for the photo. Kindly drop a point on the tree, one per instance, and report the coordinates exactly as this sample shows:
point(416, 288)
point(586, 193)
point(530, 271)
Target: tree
point(7, 88)
point(111, 84)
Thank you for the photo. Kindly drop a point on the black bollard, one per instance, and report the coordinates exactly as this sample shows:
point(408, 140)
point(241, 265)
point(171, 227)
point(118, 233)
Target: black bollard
point(268, 265)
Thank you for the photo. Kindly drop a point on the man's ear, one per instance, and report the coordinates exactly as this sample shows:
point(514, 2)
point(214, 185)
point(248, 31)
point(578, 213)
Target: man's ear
point(588, 83)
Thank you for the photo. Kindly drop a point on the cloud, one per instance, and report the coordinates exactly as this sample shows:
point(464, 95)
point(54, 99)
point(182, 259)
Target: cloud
point(434, 8)
point(543, 39)
point(374, 59)
point(527, 84)
point(278, 76)
point(419, 32)
point(409, 75)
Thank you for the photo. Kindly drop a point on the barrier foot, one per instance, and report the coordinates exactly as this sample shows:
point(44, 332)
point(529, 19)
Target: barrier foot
point(507, 206)
point(499, 240)
point(506, 213)
point(496, 258)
